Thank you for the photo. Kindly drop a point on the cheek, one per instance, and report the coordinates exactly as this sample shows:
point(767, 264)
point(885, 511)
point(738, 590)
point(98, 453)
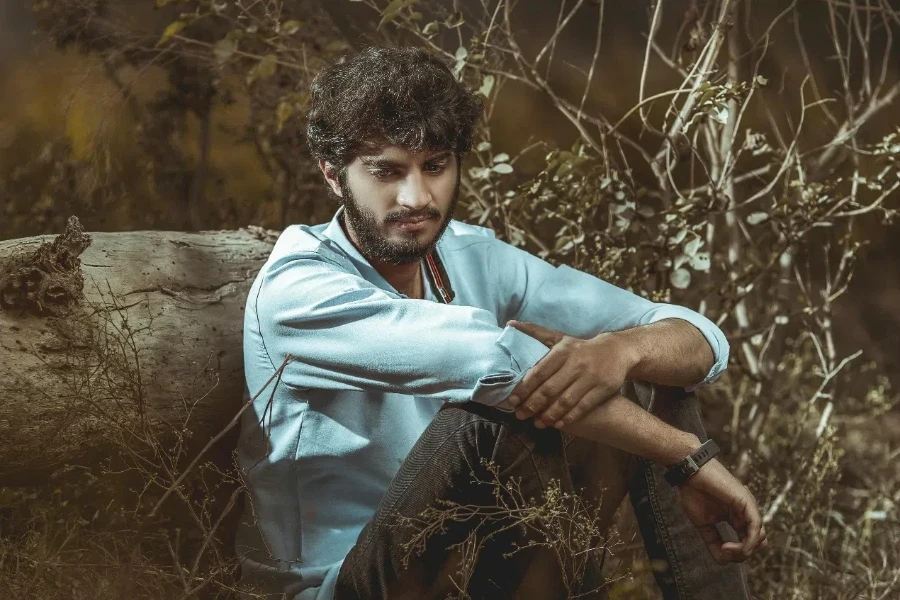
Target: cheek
point(446, 186)
point(372, 196)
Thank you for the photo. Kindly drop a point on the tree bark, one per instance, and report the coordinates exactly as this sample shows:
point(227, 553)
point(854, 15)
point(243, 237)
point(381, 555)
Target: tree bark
point(135, 347)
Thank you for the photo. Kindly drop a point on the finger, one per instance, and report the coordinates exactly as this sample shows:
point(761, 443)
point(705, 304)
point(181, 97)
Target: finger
point(745, 518)
point(754, 526)
point(545, 335)
point(546, 394)
point(588, 403)
point(564, 402)
point(536, 376)
point(722, 550)
point(734, 552)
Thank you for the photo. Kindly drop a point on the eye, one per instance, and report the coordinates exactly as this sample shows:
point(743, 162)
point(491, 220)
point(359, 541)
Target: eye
point(383, 173)
point(435, 167)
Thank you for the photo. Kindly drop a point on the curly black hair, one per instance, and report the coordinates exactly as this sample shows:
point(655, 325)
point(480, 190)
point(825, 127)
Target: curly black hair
point(398, 96)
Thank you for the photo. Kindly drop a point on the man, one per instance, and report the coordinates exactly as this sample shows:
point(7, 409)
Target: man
point(400, 341)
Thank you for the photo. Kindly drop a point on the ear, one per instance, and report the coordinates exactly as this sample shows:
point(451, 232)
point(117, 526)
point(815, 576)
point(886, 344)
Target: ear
point(331, 176)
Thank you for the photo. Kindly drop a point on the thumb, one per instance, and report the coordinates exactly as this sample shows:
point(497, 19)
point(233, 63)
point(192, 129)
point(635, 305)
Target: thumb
point(548, 337)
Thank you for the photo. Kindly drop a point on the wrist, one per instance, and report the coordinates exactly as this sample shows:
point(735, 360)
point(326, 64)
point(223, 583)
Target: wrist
point(680, 446)
point(680, 473)
point(627, 349)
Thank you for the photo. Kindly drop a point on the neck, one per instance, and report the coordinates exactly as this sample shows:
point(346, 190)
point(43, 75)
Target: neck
point(406, 279)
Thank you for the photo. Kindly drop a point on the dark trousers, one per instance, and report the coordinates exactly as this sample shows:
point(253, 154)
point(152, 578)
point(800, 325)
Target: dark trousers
point(440, 467)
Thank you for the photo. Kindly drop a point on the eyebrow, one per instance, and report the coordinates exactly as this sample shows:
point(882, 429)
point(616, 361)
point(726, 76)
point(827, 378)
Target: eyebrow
point(386, 163)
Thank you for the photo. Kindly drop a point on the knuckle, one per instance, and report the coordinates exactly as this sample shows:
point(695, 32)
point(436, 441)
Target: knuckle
point(567, 401)
point(572, 416)
point(536, 403)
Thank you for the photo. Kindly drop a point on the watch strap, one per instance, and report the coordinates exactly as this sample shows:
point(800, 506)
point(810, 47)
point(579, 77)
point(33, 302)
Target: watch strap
point(681, 471)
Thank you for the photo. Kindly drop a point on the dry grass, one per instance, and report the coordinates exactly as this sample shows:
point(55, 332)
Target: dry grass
point(759, 228)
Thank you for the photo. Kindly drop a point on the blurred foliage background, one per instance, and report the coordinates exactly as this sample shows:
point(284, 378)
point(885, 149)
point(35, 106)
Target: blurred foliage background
point(740, 157)
point(100, 123)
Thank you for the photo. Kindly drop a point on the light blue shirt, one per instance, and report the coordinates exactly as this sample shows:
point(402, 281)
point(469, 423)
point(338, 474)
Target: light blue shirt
point(371, 369)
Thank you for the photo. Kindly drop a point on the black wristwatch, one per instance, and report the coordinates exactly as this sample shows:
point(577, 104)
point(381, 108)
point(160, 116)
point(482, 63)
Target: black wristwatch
point(681, 471)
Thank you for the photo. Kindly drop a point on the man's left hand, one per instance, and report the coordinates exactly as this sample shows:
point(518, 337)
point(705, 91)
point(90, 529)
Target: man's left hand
point(576, 376)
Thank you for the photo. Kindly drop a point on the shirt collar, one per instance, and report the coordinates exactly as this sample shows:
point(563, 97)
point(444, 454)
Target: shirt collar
point(434, 266)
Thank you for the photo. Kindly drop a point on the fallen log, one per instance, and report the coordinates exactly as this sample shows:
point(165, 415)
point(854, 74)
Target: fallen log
point(119, 342)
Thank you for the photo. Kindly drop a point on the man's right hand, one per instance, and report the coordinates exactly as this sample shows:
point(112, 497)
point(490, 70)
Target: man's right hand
point(713, 495)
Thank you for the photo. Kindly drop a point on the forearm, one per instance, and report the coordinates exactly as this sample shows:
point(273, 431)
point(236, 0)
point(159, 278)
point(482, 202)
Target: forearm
point(668, 352)
point(621, 423)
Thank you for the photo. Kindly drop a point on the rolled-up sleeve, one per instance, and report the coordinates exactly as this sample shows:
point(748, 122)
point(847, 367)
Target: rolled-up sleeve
point(344, 332)
point(582, 305)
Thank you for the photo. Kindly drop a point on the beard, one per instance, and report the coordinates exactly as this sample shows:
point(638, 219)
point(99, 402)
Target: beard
point(370, 232)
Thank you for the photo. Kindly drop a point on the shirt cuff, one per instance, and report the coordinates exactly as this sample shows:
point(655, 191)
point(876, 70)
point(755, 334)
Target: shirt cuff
point(710, 331)
point(524, 352)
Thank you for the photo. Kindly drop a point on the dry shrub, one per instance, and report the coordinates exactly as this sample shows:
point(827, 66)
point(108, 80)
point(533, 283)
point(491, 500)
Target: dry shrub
point(713, 190)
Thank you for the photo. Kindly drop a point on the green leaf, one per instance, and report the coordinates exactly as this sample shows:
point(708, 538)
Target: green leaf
point(502, 168)
point(502, 157)
point(487, 84)
point(483, 147)
point(720, 115)
point(291, 27)
point(678, 237)
point(284, 112)
point(336, 46)
point(263, 69)
point(431, 29)
point(392, 10)
point(223, 49)
point(479, 172)
point(171, 31)
point(757, 218)
point(693, 246)
point(563, 243)
point(700, 261)
point(680, 278)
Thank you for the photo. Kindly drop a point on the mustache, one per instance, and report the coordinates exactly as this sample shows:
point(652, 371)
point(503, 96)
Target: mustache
point(428, 213)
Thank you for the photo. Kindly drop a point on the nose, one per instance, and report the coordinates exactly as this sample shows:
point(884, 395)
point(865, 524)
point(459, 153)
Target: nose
point(414, 193)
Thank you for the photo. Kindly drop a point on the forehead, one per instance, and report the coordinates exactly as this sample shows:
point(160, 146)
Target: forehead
point(400, 155)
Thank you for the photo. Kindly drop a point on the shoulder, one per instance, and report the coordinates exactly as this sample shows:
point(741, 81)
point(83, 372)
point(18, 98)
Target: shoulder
point(462, 236)
point(483, 241)
point(466, 233)
point(304, 244)
point(302, 258)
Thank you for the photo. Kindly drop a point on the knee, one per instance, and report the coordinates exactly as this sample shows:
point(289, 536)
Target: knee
point(497, 434)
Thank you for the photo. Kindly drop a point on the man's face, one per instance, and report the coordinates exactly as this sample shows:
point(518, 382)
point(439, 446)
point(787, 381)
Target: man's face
point(398, 203)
